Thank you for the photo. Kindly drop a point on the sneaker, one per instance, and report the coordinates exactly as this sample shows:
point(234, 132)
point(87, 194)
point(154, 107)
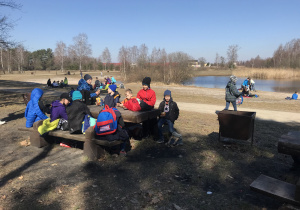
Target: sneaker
point(160, 141)
point(170, 142)
point(178, 142)
point(177, 135)
point(123, 153)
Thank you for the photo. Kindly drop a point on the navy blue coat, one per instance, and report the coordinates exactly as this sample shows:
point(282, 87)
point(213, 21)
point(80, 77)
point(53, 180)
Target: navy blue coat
point(33, 112)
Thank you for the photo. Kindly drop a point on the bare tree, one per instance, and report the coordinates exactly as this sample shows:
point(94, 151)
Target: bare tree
point(106, 56)
point(123, 59)
point(232, 54)
point(5, 24)
point(20, 53)
point(202, 61)
point(223, 61)
point(217, 60)
point(81, 47)
point(143, 56)
point(60, 53)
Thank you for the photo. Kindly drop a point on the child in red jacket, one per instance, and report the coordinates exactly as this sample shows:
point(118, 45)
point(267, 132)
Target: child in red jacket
point(146, 95)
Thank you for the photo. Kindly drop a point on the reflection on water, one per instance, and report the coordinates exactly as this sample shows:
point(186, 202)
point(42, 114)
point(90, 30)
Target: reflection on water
point(289, 86)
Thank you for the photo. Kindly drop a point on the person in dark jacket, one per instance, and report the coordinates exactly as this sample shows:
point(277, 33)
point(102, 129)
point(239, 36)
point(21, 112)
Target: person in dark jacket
point(231, 93)
point(85, 84)
point(120, 134)
point(169, 113)
point(35, 109)
point(76, 113)
point(113, 97)
point(58, 108)
point(49, 83)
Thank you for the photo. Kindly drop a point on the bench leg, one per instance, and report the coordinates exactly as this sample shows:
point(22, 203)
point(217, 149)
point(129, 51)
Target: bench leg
point(92, 150)
point(37, 140)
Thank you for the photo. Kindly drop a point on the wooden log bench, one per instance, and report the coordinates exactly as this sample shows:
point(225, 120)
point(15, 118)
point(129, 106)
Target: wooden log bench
point(290, 144)
point(92, 147)
point(278, 189)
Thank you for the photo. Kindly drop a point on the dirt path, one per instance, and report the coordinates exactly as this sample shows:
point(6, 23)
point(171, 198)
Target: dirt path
point(260, 113)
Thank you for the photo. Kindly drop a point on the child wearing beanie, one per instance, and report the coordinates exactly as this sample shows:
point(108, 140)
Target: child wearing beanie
point(76, 113)
point(169, 113)
point(113, 97)
point(86, 88)
point(146, 95)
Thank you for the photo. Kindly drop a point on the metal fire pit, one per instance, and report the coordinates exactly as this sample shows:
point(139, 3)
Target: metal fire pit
point(236, 124)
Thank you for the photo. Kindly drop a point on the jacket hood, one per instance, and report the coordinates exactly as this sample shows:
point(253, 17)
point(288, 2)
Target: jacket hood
point(56, 103)
point(36, 94)
point(82, 82)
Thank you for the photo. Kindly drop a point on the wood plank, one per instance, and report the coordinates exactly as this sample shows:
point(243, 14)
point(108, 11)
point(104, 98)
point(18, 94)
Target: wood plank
point(275, 188)
point(289, 146)
point(81, 137)
point(25, 129)
point(294, 133)
point(129, 116)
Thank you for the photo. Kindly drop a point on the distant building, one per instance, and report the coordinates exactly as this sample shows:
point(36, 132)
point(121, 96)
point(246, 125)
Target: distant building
point(193, 63)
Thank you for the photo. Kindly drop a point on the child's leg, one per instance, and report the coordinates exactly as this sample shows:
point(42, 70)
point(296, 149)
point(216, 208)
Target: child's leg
point(234, 105)
point(160, 123)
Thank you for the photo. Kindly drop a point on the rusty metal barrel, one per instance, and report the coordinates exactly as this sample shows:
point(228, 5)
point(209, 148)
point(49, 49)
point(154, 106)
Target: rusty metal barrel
point(236, 124)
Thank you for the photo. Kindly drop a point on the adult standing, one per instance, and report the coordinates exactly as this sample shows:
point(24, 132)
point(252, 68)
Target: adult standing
point(231, 93)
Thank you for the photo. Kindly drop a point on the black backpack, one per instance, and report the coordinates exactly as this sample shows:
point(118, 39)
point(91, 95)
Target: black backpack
point(86, 98)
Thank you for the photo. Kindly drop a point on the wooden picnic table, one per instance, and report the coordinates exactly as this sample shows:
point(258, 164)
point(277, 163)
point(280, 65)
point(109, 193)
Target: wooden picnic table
point(128, 116)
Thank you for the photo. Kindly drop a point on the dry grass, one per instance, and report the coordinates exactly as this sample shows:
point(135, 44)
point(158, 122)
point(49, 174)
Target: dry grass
point(267, 73)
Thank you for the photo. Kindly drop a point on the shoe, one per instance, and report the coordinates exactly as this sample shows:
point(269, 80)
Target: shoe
point(160, 141)
point(123, 153)
point(178, 142)
point(177, 135)
point(170, 142)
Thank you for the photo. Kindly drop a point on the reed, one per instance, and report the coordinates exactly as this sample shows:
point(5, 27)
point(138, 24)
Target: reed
point(267, 73)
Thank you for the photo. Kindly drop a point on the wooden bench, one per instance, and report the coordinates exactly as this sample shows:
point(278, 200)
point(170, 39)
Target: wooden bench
point(278, 189)
point(290, 144)
point(92, 147)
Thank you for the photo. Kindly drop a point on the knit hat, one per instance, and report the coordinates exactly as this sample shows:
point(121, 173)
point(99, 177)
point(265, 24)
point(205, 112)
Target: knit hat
point(66, 96)
point(146, 81)
point(233, 78)
point(167, 93)
point(76, 95)
point(113, 87)
point(87, 77)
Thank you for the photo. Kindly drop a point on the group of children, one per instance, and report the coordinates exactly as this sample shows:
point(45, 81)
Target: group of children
point(56, 84)
point(72, 109)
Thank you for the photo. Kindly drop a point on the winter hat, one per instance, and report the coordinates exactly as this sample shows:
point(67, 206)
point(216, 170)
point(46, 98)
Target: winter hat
point(76, 95)
point(167, 93)
point(113, 87)
point(146, 81)
point(66, 96)
point(87, 77)
point(233, 78)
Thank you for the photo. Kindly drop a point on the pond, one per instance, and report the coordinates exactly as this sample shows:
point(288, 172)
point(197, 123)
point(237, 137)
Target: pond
point(288, 86)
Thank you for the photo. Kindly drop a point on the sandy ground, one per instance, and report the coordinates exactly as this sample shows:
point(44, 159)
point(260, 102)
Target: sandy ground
point(152, 176)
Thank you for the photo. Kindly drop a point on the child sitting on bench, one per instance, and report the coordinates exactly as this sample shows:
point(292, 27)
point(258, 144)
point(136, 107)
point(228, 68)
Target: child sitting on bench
point(169, 113)
point(130, 102)
point(76, 113)
point(35, 109)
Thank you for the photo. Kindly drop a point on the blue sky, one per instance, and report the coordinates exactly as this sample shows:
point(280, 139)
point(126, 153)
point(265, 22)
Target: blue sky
point(198, 28)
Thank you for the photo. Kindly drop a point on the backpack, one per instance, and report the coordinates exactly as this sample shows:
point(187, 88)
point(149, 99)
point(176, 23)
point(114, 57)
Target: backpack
point(87, 122)
point(86, 98)
point(239, 100)
point(106, 122)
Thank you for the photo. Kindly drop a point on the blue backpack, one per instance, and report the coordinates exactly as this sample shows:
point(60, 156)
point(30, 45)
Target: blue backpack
point(106, 122)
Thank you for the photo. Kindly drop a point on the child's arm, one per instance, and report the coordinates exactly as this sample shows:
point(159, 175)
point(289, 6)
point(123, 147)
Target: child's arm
point(176, 110)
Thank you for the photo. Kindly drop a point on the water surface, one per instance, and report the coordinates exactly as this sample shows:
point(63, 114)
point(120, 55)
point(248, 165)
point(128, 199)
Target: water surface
point(288, 86)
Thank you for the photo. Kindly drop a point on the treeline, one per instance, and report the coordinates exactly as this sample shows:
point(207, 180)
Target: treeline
point(285, 56)
point(134, 62)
